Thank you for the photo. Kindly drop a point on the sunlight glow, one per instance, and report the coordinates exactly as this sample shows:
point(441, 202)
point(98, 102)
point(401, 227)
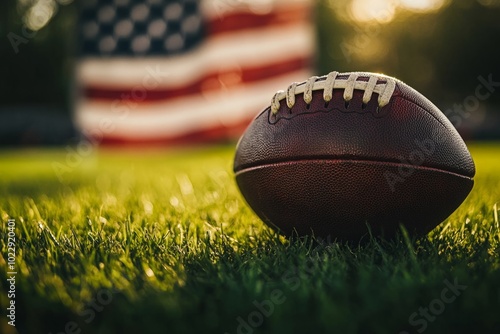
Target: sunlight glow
point(381, 11)
point(422, 5)
point(40, 14)
point(384, 11)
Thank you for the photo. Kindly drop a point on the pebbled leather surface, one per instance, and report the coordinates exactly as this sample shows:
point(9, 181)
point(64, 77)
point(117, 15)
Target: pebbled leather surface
point(392, 134)
point(324, 166)
point(338, 199)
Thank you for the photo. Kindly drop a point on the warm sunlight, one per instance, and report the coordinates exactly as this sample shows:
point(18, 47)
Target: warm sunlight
point(422, 5)
point(373, 10)
point(40, 14)
point(384, 11)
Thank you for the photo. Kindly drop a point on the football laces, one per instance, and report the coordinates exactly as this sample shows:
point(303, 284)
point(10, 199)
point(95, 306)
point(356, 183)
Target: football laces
point(331, 82)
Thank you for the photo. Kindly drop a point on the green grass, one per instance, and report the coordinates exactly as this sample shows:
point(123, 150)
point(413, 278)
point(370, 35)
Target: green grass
point(162, 242)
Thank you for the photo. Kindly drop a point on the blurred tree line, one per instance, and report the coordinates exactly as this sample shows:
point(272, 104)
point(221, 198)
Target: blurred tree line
point(36, 66)
point(441, 53)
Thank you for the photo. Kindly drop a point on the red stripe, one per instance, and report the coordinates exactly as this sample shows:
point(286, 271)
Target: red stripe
point(215, 134)
point(283, 15)
point(211, 82)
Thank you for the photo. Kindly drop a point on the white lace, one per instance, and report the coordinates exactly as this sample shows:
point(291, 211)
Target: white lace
point(331, 82)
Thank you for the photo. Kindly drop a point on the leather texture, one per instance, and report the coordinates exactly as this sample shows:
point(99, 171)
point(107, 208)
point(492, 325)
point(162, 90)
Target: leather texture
point(331, 168)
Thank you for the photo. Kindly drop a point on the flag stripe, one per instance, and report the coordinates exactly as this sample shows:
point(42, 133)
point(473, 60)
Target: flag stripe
point(177, 117)
point(212, 81)
point(259, 46)
point(236, 21)
point(206, 135)
point(183, 71)
point(220, 9)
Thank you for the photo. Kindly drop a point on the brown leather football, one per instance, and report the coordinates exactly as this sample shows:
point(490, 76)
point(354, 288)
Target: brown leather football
point(339, 155)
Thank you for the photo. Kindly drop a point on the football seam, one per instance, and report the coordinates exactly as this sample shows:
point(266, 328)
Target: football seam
point(422, 107)
point(267, 111)
point(366, 161)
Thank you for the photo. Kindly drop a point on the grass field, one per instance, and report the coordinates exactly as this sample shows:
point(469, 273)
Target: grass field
point(162, 242)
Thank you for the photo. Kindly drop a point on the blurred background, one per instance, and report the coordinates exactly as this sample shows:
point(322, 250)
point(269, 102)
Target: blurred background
point(187, 71)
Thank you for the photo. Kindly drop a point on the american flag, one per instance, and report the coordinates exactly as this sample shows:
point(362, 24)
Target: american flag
point(176, 71)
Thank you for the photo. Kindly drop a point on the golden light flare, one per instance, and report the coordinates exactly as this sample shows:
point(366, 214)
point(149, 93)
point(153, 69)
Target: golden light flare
point(422, 5)
point(40, 14)
point(385, 11)
point(382, 11)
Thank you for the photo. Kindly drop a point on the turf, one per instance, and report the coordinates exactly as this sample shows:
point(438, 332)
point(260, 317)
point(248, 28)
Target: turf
point(162, 242)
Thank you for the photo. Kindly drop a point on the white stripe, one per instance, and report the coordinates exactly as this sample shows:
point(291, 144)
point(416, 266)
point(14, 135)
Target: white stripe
point(181, 116)
point(220, 8)
point(233, 51)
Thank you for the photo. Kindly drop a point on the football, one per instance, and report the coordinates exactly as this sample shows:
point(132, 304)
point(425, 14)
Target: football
point(348, 154)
